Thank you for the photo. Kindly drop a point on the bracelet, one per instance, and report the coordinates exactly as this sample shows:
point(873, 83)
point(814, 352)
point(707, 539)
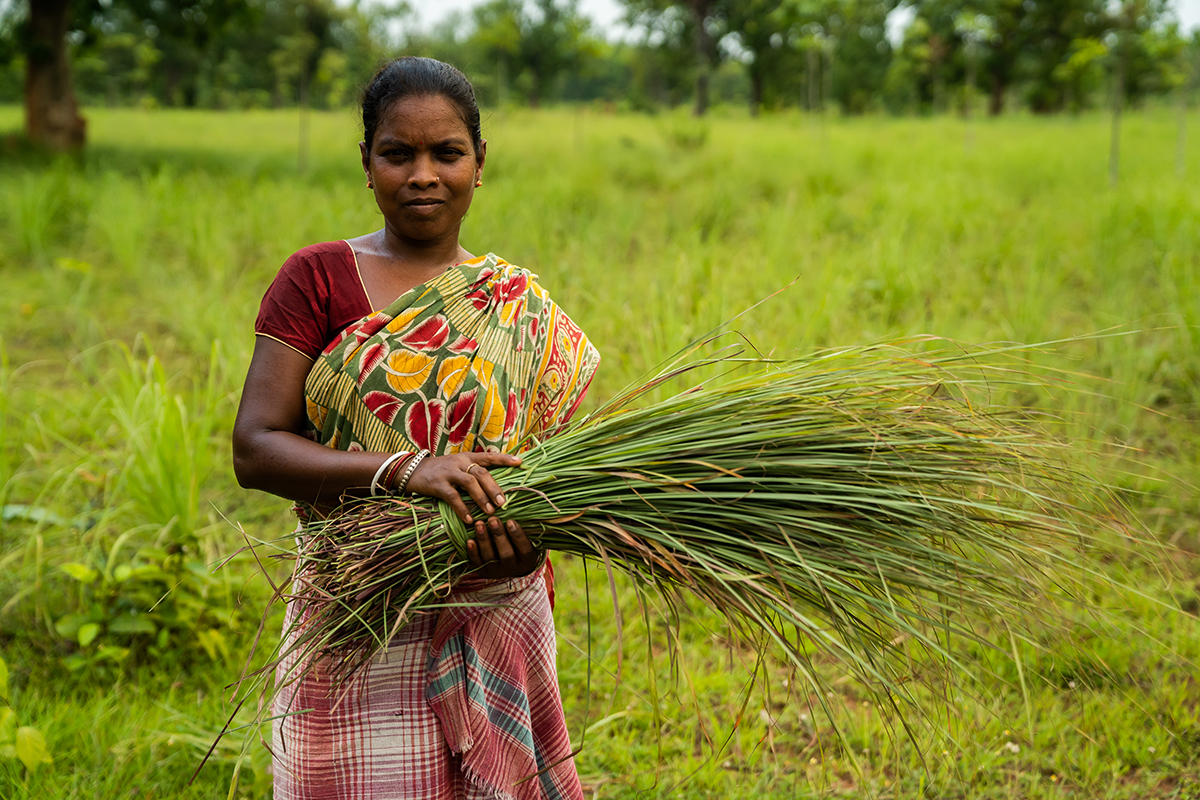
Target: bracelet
point(389, 477)
point(379, 472)
point(408, 473)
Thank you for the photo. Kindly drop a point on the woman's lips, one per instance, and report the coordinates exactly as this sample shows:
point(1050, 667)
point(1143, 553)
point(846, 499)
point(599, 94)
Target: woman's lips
point(424, 206)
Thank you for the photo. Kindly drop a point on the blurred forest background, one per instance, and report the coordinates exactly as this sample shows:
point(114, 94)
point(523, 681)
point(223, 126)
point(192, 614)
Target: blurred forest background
point(1046, 55)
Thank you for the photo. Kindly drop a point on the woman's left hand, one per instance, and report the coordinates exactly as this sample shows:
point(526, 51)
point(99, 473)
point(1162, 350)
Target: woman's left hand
point(499, 549)
point(502, 550)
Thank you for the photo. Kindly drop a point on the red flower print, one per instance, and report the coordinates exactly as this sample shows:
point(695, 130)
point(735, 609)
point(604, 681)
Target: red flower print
point(463, 344)
point(373, 324)
point(462, 416)
point(423, 423)
point(431, 334)
point(512, 288)
point(371, 357)
point(512, 411)
point(383, 405)
point(480, 298)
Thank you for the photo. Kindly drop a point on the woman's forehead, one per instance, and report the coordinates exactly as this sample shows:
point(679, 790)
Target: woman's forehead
point(424, 118)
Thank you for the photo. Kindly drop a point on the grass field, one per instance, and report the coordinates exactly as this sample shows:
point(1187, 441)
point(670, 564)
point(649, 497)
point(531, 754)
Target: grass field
point(131, 276)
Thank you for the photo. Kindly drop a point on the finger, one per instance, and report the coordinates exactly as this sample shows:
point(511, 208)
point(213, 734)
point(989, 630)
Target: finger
point(504, 548)
point(483, 540)
point(520, 541)
point(473, 553)
point(495, 459)
point(455, 501)
point(470, 484)
point(489, 487)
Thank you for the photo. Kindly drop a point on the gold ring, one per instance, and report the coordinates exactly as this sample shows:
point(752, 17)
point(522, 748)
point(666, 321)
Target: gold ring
point(473, 466)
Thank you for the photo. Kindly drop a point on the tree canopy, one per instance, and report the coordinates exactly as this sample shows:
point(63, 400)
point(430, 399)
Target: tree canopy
point(1046, 55)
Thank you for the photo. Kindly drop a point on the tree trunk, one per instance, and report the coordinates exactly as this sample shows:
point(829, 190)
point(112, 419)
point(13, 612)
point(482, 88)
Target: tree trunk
point(814, 100)
point(756, 89)
point(996, 104)
point(703, 45)
point(51, 112)
point(1181, 140)
point(827, 74)
point(1114, 152)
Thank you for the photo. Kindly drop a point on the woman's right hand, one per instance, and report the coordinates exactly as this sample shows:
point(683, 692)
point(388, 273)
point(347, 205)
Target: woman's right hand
point(498, 550)
point(449, 477)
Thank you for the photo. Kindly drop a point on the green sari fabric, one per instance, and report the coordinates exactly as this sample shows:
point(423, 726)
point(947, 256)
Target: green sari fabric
point(479, 358)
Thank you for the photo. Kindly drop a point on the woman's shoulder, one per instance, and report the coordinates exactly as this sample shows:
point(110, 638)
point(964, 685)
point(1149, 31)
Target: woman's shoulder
point(323, 255)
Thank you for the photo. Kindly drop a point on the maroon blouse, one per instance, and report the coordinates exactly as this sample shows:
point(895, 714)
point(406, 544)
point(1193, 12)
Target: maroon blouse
point(317, 293)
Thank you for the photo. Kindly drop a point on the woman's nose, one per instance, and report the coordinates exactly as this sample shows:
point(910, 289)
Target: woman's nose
point(424, 172)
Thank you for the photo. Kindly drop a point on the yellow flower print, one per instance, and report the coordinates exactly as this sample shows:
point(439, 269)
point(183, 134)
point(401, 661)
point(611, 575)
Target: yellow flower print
point(404, 319)
point(316, 414)
point(465, 446)
point(510, 311)
point(483, 369)
point(407, 371)
point(491, 421)
point(451, 374)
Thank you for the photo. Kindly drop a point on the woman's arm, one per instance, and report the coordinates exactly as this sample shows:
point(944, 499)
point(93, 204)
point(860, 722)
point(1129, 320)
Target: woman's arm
point(270, 454)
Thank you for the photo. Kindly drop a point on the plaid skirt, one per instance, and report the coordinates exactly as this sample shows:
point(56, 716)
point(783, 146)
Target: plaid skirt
point(462, 705)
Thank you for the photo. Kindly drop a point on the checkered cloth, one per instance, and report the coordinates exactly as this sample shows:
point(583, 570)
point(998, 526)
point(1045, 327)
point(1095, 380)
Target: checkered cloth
point(463, 705)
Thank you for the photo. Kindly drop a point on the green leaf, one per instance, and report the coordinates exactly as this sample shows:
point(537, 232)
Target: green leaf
point(73, 265)
point(68, 625)
point(8, 751)
point(113, 654)
point(8, 726)
point(128, 623)
point(3, 679)
point(88, 633)
point(80, 572)
point(122, 573)
point(26, 513)
point(31, 748)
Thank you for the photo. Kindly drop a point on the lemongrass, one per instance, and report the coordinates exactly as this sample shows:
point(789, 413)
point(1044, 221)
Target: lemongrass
point(851, 496)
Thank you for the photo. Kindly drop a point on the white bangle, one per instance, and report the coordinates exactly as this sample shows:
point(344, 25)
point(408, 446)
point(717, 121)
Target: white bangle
point(379, 472)
point(408, 473)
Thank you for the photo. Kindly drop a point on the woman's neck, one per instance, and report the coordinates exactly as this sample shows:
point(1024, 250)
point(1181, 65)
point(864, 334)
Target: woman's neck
point(390, 266)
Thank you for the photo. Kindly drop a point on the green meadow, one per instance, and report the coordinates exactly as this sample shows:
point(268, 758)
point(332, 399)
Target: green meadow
point(131, 276)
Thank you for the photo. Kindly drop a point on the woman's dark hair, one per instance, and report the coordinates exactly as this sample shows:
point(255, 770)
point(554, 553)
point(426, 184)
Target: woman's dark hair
point(413, 75)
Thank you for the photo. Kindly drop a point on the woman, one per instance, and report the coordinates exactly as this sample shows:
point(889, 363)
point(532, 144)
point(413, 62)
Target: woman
point(397, 361)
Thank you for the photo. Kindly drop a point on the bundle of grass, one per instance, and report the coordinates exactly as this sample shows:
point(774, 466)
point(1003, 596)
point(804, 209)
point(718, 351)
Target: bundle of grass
point(842, 501)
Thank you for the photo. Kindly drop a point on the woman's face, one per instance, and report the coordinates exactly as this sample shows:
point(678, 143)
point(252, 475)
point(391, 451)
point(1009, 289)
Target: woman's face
point(423, 168)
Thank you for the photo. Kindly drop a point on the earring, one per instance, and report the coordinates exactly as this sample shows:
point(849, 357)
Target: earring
point(479, 182)
point(369, 186)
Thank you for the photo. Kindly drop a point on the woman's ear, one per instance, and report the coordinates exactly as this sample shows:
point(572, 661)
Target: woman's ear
point(366, 159)
point(480, 158)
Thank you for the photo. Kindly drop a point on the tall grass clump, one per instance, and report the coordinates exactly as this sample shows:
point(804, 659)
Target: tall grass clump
point(169, 439)
point(837, 503)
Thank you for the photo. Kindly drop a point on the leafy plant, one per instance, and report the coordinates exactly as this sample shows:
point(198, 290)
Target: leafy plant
point(22, 743)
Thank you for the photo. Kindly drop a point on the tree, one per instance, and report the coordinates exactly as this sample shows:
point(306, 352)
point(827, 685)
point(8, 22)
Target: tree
point(537, 41)
point(51, 111)
point(761, 27)
point(704, 16)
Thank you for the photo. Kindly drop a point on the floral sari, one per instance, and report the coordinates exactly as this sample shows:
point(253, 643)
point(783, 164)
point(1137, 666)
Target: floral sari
point(478, 358)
